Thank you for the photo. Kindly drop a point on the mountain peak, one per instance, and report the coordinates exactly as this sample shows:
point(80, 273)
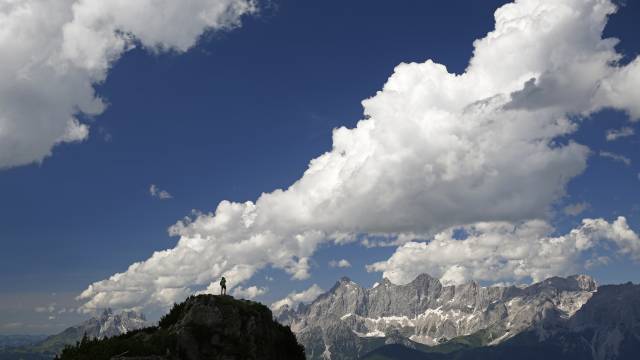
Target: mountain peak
point(570, 283)
point(585, 282)
point(424, 278)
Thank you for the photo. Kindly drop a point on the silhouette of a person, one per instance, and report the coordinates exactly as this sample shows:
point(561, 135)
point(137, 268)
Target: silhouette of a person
point(223, 286)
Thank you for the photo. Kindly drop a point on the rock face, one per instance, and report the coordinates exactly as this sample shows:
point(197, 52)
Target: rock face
point(350, 320)
point(202, 327)
point(110, 324)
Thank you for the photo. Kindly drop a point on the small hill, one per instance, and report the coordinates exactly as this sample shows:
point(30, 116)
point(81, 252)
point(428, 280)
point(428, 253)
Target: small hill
point(202, 327)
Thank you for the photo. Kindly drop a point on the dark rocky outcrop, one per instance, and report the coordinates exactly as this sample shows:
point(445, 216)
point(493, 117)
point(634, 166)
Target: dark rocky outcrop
point(202, 327)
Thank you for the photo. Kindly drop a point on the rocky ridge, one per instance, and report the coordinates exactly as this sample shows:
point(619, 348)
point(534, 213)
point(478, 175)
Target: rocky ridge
point(350, 320)
point(607, 327)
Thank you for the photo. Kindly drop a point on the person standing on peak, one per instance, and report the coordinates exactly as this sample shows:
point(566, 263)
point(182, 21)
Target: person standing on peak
point(223, 286)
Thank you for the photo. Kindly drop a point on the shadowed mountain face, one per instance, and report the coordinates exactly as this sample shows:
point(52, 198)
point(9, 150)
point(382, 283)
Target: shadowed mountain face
point(202, 327)
point(349, 320)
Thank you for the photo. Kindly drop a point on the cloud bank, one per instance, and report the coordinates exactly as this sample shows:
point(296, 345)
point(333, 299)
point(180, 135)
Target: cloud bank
point(53, 51)
point(500, 251)
point(434, 150)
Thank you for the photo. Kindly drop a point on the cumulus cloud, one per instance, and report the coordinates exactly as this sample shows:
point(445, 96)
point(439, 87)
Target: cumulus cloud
point(343, 263)
point(576, 209)
point(434, 150)
point(156, 192)
point(54, 51)
point(616, 157)
point(499, 251)
point(294, 298)
point(249, 293)
point(614, 134)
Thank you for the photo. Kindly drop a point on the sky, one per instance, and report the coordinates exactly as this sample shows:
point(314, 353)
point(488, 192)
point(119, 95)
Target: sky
point(284, 144)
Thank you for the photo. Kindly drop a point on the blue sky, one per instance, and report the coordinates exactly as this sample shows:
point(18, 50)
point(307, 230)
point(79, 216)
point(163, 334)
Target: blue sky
point(242, 113)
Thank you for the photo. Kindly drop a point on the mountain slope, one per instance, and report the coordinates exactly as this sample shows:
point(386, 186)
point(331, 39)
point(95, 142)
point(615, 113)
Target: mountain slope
point(202, 327)
point(349, 320)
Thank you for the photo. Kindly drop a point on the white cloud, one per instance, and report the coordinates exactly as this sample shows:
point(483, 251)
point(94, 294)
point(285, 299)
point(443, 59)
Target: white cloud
point(435, 150)
point(54, 51)
point(616, 157)
point(343, 263)
point(614, 134)
point(249, 293)
point(499, 251)
point(49, 309)
point(576, 209)
point(156, 192)
point(294, 298)
point(620, 89)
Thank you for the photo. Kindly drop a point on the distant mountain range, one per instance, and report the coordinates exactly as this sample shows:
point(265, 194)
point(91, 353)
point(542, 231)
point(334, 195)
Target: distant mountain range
point(561, 317)
point(108, 324)
point(19, 340)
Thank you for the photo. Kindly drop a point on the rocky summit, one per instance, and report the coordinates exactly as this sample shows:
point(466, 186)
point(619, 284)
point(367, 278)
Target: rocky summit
point(201, 327)
point(349, 320)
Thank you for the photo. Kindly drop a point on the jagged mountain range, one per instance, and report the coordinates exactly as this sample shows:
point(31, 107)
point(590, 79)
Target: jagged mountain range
point(607, 327)
point(349, 320)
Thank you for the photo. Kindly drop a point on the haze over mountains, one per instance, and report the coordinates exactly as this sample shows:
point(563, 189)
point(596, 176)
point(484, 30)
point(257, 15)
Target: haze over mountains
point(108, 324)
